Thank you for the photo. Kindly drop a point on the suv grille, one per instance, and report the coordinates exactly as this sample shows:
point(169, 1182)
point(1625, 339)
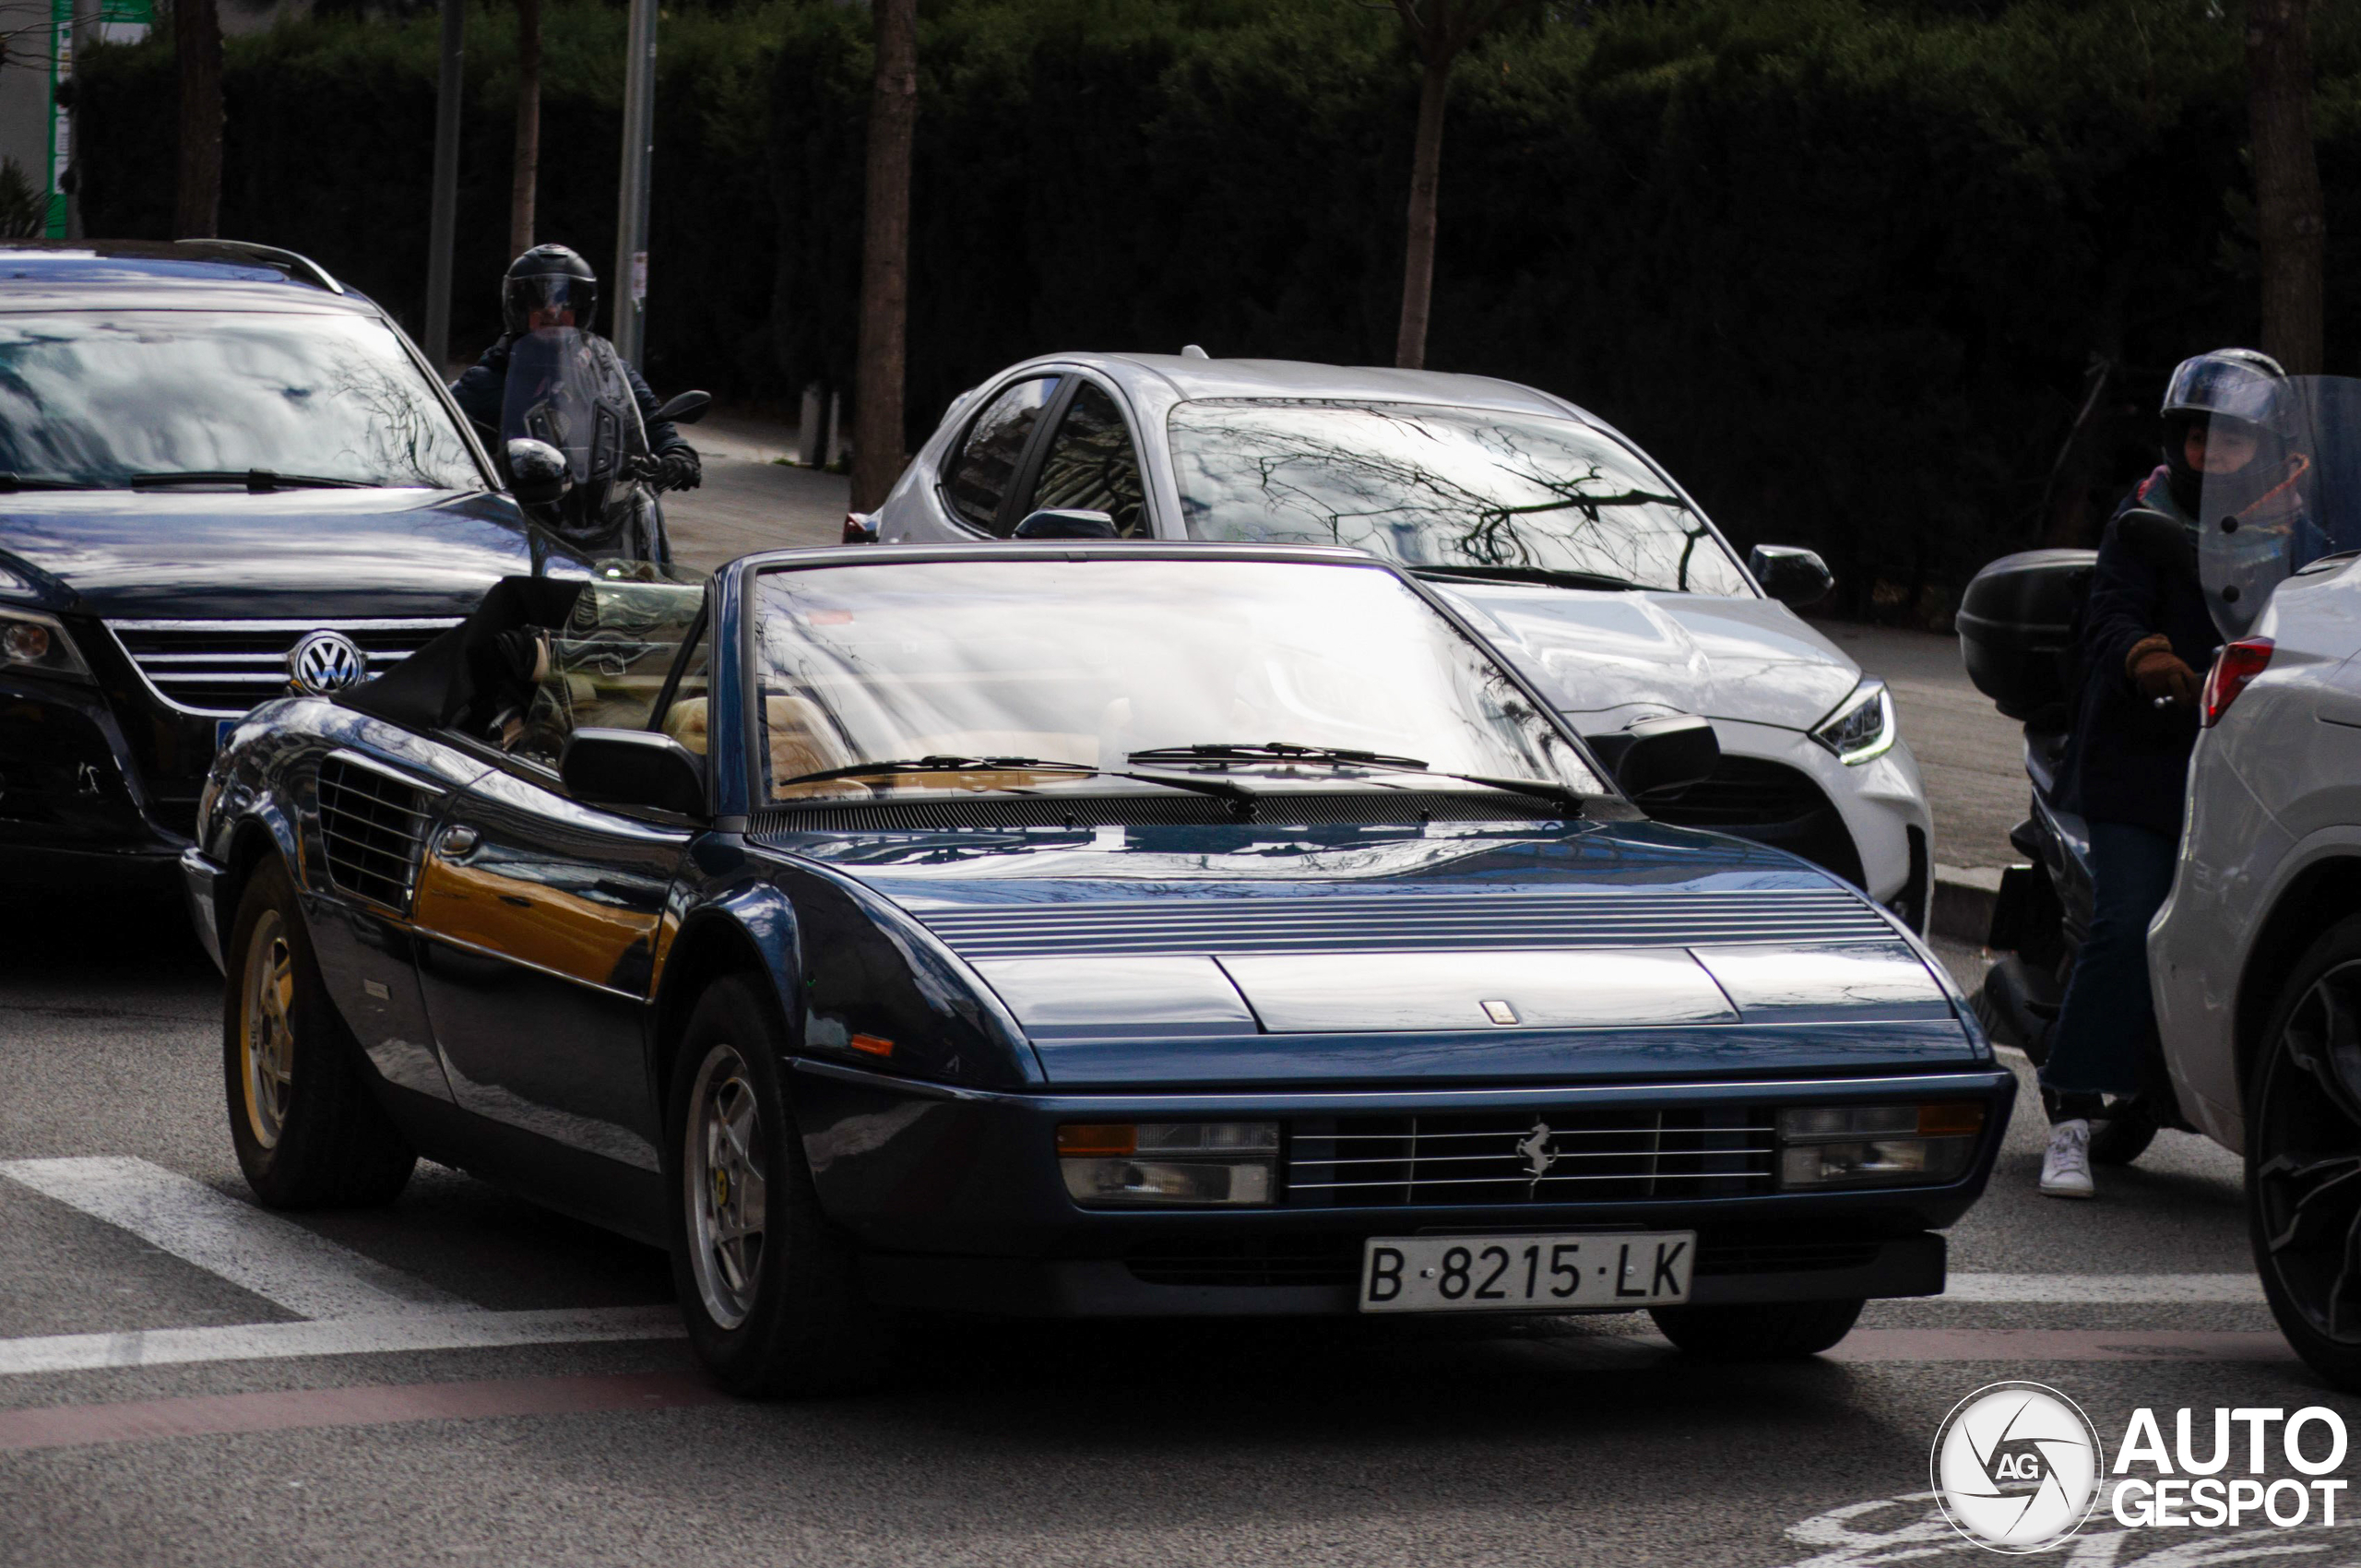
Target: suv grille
point(1489, 1157)
point(373, 827)
point(1770, 804)
point(227, 667)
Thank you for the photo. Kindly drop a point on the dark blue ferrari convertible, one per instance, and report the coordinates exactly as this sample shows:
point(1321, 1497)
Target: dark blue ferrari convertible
point(1078, 928)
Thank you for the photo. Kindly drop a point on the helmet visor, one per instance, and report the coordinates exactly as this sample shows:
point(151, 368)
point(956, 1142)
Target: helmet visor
point(536, 303)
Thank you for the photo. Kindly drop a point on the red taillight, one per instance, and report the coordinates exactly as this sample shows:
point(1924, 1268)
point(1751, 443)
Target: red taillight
point(2236, 665)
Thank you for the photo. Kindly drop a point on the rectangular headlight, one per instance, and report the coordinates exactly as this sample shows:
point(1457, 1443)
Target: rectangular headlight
point(1876, 1146)
point(35, 643)
point(1122, 1163)
point(1862, 727)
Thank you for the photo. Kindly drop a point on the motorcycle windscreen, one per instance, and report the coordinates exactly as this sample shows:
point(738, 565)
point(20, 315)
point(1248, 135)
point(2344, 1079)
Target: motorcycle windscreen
point(2278, 495)
point(566, 387)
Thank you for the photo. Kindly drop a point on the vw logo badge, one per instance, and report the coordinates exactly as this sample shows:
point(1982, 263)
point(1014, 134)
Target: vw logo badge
point(325, 661)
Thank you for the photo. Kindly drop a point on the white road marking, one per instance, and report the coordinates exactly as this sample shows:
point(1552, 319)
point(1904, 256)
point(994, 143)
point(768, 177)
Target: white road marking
point(2244, 1288)
point(349, 1337)
point(250, 1247)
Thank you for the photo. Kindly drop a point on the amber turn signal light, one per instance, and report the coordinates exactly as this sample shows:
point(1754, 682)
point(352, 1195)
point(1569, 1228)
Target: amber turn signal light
point(1099, 1139)
point(873, 1045)
point(1953, 1119)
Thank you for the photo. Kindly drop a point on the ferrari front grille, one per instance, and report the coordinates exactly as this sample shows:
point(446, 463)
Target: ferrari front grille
point(371, 825)
point(1554, 1156)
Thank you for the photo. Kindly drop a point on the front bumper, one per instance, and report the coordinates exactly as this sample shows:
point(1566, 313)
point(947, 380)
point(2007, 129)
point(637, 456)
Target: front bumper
point(1882, 803)
point(75, 802)
point(955, 1202)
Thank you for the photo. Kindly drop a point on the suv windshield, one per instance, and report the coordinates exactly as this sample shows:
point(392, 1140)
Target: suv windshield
point(1089, 662)
point(1440, 487)
point(92, 399)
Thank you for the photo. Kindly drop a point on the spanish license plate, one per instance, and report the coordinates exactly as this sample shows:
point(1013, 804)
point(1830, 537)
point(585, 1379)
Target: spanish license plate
point(1525, 1273)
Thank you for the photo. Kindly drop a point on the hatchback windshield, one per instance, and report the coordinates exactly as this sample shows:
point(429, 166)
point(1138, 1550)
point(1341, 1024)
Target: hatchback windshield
point(114, 399)
point(1095, 662)
point(1440, 487)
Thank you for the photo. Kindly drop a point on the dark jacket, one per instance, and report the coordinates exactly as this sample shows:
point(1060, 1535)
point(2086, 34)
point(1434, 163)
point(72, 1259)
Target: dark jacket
point(483, 384)
point(2128, 760)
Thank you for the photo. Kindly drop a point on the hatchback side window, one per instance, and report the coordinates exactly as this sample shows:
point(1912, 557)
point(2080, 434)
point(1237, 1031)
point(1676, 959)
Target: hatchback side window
point(985, 464)
point(1092, 464)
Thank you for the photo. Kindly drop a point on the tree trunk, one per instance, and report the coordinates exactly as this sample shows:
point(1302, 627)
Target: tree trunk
point(2290, 220)
point(527, 171)
point(1418, 252)
point(196, 40)
point(885, 257)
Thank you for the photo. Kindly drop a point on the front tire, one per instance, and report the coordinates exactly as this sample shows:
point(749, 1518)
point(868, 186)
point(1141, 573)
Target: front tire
point(1769, 1331)
point(308, 1132)
point(768, 1288)
point(2302, 1141)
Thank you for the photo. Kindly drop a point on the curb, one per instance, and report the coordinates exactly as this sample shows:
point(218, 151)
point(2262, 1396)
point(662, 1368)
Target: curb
point(1963, 904)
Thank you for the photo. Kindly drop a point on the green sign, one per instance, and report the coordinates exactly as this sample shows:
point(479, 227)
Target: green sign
point(118, 21)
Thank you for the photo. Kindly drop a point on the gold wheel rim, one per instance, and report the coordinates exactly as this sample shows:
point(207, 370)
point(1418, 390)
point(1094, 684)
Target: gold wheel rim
point(266, 1030)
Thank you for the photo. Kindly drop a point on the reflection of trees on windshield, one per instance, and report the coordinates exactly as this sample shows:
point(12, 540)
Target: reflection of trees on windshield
point(97, 399)
point(1433, 486)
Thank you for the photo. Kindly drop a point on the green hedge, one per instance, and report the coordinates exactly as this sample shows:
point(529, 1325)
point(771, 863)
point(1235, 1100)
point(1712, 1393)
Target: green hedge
point(1841, 264)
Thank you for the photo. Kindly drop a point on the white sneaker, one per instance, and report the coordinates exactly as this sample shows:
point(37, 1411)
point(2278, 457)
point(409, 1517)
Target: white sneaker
point(2065, 1167)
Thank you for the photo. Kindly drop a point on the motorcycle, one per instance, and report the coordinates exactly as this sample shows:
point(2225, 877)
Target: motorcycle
point(575, 449)
point(2019, 622)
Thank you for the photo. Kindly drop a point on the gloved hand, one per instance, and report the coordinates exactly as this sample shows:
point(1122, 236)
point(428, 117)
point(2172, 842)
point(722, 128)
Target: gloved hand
point(678, 469)
point(2159, 672)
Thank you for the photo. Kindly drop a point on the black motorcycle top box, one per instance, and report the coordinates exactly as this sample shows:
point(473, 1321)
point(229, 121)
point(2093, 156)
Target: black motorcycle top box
point(2016, 625)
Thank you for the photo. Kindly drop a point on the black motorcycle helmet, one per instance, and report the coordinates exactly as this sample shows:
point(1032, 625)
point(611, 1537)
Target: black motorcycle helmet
point(549, 279)
point(2237, 388)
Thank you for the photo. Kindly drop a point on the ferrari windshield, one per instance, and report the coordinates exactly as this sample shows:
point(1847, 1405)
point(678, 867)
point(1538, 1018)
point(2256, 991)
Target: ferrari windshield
point(1444, 487)
point(107, 400)
point(1090, 662)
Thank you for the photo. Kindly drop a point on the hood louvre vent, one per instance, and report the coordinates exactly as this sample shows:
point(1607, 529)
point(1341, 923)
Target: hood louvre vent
point(1410, 922)
point(371, 826)
point(1343, 808)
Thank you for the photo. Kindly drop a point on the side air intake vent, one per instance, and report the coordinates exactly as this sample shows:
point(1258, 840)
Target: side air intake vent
point(372, 825)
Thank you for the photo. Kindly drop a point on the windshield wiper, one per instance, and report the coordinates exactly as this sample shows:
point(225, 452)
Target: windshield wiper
point(1342, 756)
point(1274, 751)
point(259, 481)
point(42, 482)
point(1220, 789)
point(1550, 577)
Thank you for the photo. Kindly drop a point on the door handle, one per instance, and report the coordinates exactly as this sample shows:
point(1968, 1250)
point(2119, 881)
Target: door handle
point(456, 841)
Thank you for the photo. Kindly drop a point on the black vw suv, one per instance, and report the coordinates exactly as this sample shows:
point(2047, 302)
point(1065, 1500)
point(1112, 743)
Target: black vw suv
point(223, 476)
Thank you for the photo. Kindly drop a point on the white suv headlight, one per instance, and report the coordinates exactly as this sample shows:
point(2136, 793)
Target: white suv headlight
point(1862, 727)
point(31, 643)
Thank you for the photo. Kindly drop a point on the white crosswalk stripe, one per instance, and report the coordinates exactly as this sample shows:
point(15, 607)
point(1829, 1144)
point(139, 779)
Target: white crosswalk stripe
point(2098, 1288)
point(275, 1258)
point(343, 1337)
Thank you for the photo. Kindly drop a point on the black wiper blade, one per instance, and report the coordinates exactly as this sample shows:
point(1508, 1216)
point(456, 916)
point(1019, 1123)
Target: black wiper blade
point(44, 482)
point(1275, 751)
point(1564, 795)
point(1221, 789)
point(259, 481)
point(1549, 576)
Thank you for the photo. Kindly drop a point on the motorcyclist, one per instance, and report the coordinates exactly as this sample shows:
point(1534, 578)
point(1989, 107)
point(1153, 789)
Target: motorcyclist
point(2144, 640)
point(552, 286)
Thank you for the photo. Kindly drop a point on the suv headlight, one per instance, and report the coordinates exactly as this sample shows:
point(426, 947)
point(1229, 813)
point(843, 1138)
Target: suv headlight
point(1862, 728)
point(1876, 1146)
point(31, 643)
point(1224, 1163)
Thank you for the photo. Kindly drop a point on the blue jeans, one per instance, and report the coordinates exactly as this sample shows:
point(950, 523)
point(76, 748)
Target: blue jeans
point(2108, 1014)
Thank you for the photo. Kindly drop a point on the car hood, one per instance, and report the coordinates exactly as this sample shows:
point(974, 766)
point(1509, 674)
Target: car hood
point(1140, 954)
point(310, 552)
point(1627, 656)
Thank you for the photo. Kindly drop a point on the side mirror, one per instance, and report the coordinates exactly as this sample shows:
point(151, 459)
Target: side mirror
point(1063, 523)
point(633, 767)
point(538, 474)
point(1663, 756)
point(1794, 576)
point(684, 407)
point(2162, 541)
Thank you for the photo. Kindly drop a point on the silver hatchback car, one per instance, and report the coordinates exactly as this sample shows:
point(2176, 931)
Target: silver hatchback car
point(1582, 560)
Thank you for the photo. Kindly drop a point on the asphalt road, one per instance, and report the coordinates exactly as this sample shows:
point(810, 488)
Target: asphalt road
point(1572, 1441)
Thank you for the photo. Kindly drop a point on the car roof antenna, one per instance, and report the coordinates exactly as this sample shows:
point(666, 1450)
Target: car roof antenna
point(1191, 352)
